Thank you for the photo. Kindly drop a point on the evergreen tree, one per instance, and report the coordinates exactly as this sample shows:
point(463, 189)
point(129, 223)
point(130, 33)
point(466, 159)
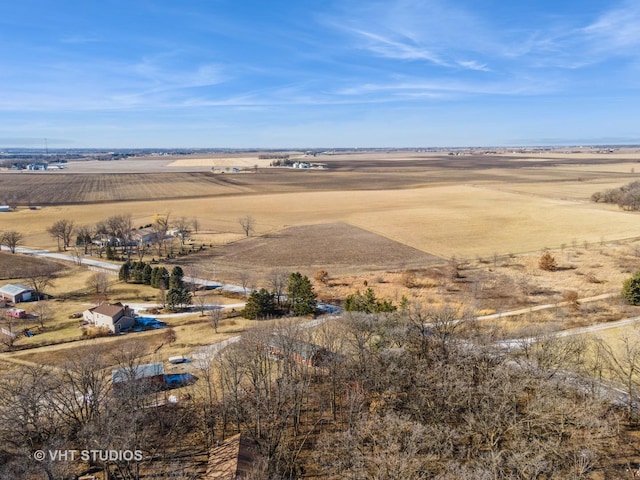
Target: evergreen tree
point(631, 289)
point(367, 302)
point(162, 278)
point(110, 253)
point(178, 298)
point(260, 304)
point(302, 298)
point(175, 281)
point(146, 274)
point(125, 272)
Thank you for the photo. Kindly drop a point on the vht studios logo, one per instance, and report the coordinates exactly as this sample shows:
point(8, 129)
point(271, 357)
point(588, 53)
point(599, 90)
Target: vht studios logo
point(88, 455)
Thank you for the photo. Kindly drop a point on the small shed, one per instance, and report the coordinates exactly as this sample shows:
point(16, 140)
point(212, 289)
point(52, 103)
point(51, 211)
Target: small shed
point(16, 313)
point(149, 374)
point(5, 208)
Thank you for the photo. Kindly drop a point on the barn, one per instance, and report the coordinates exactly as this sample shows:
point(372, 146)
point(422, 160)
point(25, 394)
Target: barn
point(17, 293)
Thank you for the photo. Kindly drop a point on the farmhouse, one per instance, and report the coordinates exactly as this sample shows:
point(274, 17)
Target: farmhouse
point(17, 293)
point(116, 317)
point(144, 235)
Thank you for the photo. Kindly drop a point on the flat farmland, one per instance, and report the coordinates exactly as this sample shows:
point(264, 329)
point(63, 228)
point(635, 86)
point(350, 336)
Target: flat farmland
point(440, 205)
point(59, 188)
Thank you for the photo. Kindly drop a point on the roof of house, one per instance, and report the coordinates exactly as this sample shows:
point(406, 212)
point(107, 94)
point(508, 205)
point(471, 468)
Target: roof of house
point(15, 289)
point(292, 345)
point(232, 459)
point(138, 372)
point(108, 309)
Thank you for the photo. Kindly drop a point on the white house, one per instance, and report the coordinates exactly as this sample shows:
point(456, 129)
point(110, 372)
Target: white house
point(116, 317)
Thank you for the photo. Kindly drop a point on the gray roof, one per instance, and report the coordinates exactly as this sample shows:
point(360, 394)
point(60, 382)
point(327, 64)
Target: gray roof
point(138, 372)
point(15, 289)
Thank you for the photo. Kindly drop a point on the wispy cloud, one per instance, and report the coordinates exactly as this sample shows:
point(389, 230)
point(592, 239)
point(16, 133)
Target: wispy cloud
point(397, 49)
point(616, 31)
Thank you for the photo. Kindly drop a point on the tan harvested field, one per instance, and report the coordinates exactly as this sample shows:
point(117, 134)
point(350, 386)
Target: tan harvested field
point(441, 205)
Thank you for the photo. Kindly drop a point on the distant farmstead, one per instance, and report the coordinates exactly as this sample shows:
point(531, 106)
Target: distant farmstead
point(17, 293)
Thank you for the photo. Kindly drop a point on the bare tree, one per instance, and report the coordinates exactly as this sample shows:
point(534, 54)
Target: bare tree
point(8, 333)
point(77, 255)
point(215, 315)
point(624, 365)
point(182, 226)
point(195, 223)
point(40, 276)
point(200, 301)
point(248, 224)
point(121, 227)
point(62, 231)
point(160, 227)
point(278, 279)
point(246, 279)
point(11, 239)
point(98, 285)
point(44, 312)
point(84, 237)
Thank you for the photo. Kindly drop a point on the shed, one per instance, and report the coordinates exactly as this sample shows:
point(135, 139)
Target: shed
point(17, 293)
point(16, 313)
point(151, 374)
point(5, 208)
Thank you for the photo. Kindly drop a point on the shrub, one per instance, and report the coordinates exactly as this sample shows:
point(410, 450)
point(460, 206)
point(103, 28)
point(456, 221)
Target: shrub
point(408, 279)
point(321, 276)
point(571, 297)
point(547, 262)
point(631, 289)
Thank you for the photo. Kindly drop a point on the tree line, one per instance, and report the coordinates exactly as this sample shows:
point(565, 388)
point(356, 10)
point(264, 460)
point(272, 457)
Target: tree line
point(626, 197)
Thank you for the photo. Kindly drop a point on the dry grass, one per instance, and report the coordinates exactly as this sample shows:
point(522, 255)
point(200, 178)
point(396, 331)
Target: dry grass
point(13, 266)
point(367, 220)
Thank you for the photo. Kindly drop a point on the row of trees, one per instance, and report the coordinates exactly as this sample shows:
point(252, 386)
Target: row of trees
point(174, 292)
point(626, 197)
point(118, 231)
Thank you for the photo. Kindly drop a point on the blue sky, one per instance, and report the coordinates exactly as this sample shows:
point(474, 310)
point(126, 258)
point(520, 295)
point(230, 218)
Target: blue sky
point(321, 73)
